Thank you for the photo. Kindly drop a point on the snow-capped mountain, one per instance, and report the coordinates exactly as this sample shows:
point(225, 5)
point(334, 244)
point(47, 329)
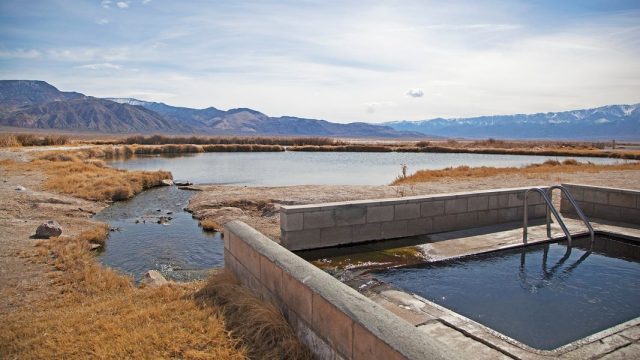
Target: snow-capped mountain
point(606, 122)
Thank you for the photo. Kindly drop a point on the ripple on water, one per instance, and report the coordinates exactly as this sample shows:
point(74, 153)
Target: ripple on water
point(140, 243)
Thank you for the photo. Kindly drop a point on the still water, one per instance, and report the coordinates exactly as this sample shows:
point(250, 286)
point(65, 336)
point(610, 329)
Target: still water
point(317, 168)
point(541, 295)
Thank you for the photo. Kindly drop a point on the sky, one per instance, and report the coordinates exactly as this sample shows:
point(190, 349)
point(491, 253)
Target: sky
point(342, 61)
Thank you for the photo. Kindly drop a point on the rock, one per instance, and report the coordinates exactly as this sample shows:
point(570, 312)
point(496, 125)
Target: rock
point(164, 219)
point(182, 182)
point(270, 209)
point(153, 278)
point(94, 246)
point(169, 212)
point(166, 182)
point(49, 229)
point(20, 188)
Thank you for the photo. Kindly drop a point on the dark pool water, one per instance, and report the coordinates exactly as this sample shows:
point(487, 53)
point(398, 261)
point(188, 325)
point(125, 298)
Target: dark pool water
point(542, 303)
point(175, 248)
point(317, 168)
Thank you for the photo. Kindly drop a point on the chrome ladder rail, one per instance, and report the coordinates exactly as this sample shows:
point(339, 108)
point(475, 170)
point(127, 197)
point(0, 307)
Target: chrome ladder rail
point(579, 212)
point(550, 208)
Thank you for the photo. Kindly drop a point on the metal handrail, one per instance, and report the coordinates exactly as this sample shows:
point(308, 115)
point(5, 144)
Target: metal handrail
point(581, 215)
point(550, 207)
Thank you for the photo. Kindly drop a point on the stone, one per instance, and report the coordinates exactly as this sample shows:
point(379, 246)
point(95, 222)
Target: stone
point(93, 246)
point(153, 278)
point(166, 182)
point(20, 188)
point(182, 182)
point(49, 229)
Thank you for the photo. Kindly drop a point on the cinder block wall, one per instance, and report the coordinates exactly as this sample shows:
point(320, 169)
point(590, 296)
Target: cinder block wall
point(323, 225)
point(332, 319)
point(604, 203)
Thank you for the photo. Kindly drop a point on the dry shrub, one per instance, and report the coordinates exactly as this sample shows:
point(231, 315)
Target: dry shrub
point(210, 225)
point(261, 327)
point(343, 148)
point(548, 167)
point(422, 144)
point(570, 162)
point(13, 140)
point(9, 140)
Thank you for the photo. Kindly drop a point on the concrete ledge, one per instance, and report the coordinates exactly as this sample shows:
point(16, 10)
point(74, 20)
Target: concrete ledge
point(334, 320)
point(324, 225)
point(604, 202)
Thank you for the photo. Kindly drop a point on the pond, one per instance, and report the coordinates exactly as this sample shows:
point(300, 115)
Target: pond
point(181, 250)
point(317, 168)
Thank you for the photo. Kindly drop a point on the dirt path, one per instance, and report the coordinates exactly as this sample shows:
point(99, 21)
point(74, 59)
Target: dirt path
point(252, 199)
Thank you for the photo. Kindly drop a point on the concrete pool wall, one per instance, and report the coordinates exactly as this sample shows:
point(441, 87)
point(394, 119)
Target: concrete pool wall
point(604, 203)
point(323, 225)
point(336, 321)
point(332, 319)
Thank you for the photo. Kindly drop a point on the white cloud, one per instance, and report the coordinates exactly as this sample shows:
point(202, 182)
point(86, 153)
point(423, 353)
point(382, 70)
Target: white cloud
point(101, 66)
point(145, 2)
point(122, 4)
point(20, 54)
point(102, 21)
point(416, 93)
point(106, 4)
point(372, 107)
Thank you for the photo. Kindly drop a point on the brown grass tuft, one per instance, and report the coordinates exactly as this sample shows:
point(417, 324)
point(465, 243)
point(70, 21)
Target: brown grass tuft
point(550, 166)
point(210, 225)
point(261, 327)
point(90, 180)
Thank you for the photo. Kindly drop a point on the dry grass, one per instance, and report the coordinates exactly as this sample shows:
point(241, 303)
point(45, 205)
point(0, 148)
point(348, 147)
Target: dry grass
point(550, 166)
point(262, 328)
point(94, 312)
point(15, 140)
point(90, 179)
point(210, 225)
point(482, 147)
point(196, 140)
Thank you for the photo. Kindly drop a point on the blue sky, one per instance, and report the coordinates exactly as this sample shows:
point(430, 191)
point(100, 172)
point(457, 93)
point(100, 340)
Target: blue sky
point(338, 60)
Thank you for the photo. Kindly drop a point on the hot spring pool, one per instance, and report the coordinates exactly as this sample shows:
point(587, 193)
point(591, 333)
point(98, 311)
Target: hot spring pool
point(541, 295)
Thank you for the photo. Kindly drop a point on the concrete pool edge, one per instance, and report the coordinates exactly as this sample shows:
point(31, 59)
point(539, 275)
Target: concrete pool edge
point(332, 319)
point(597, 344)
point(323, 225)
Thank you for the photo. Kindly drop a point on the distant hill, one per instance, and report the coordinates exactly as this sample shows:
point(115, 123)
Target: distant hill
point(606, 122)
point(244, 121)
point(37, 104)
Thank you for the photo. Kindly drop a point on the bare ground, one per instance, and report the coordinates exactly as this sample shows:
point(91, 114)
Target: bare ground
point(251, 200)
point(21, 211)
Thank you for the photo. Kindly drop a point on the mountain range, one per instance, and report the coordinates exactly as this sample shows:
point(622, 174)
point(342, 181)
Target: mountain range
point(606, 122)
point(37, 104)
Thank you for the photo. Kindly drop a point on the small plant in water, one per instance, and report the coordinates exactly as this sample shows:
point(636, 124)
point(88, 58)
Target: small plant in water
point(404, 168)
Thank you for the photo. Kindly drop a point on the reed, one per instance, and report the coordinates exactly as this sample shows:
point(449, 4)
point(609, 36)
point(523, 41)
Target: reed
point(197, 140)
point(16, 140)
